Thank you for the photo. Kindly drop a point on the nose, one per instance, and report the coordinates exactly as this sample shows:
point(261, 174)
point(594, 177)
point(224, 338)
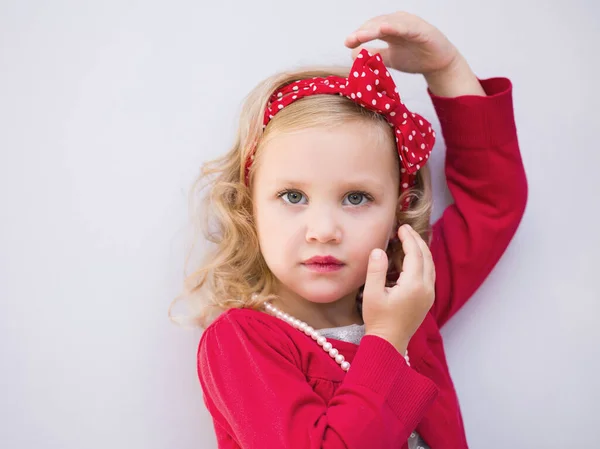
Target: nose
point(322, 226)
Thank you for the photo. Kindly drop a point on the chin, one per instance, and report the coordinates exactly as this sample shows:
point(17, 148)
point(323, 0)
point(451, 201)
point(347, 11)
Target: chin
point(323, 294)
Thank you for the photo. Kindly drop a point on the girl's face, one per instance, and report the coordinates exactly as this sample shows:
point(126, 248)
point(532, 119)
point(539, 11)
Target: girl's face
point(325, 192)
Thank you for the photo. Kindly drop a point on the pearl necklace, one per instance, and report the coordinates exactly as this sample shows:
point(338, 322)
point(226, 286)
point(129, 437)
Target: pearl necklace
point(314, 334)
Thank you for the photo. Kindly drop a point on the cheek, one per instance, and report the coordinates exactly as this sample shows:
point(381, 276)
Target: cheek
point(373, 230)
point(369, 238)
point(276, 235)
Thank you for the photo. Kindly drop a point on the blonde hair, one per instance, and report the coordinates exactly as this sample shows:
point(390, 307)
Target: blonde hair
point(234, 269)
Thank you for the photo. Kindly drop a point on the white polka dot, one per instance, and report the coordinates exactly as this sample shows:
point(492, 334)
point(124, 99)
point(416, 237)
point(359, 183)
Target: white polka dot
point(422, 146)
point(378, 58)
point(369, 87)
point(353, 95)
point(387, 106)
point(392, 113)
point(295, 96)
point(376, 72)
point(418, 167)
point(374, 102)
point(402, 170)
point(410, 137)
point(376, 82)
point(412, 154)
point(314, 88)
point(363, 74)
point(414, 133)
point(421, 122)
point(279, 94)
point(405, 185)
point(358, 94)
point(295, 87)
point(379, 94)
point(396, 89)
point(387, 73)
point(280, 106)
point(355, 74)
point(405, 115)
point(360, 55)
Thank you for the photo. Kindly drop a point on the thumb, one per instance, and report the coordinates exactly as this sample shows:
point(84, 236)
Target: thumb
point(384, 52)
point(376, 275)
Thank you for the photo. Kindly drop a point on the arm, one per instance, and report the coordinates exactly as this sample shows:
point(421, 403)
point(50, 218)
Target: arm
point(254, 388)
point(483, 166)
point(486, 178)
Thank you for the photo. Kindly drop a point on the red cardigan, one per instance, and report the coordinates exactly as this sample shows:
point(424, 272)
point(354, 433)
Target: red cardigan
point(267, 385)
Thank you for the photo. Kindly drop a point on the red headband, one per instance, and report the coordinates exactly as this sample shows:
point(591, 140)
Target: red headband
point(371, 86)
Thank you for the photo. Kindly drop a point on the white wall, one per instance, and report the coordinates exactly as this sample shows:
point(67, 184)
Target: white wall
point(108, 108)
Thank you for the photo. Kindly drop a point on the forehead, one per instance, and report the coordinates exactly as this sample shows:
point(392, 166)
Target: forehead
point(351, 152)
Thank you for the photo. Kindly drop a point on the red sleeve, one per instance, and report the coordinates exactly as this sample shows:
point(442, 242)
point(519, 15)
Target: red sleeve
point(486, 178)
point(254, 388)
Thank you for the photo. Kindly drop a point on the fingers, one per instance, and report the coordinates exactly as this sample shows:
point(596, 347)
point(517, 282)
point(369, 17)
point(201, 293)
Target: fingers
point(418, 262)
point(379, 27)
point(384, 52)
point(369, 28)
point(412, 265)
point(428, 265)
point(376, 275)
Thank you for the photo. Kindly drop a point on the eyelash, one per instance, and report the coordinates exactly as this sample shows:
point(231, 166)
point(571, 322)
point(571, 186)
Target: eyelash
point(368, 197)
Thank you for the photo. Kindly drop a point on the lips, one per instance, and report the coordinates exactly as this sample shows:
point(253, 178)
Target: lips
point(323, 260)
point(323, 264)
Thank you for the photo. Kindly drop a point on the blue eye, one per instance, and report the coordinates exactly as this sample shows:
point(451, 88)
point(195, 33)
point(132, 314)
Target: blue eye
point(351, 199)
point(292, 197)
point(357, 198)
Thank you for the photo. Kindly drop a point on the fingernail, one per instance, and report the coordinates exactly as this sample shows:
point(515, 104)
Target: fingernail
point(376, 254)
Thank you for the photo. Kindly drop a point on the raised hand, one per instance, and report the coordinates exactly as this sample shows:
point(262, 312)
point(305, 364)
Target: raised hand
point(416, 46)
point(395, 313)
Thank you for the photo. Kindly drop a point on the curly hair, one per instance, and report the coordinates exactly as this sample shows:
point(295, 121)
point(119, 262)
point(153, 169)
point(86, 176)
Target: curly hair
point(233, 273)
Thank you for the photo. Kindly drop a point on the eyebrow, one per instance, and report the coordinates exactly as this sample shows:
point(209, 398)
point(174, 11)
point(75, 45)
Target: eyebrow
point(370, 184)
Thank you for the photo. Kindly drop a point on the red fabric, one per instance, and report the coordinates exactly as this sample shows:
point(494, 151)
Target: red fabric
point(267, 385)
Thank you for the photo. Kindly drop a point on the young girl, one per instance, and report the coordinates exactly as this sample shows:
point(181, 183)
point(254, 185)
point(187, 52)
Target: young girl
point(323, 276)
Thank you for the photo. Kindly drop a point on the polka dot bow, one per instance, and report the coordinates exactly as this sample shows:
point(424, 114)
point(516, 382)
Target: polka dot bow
point(370, 85)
